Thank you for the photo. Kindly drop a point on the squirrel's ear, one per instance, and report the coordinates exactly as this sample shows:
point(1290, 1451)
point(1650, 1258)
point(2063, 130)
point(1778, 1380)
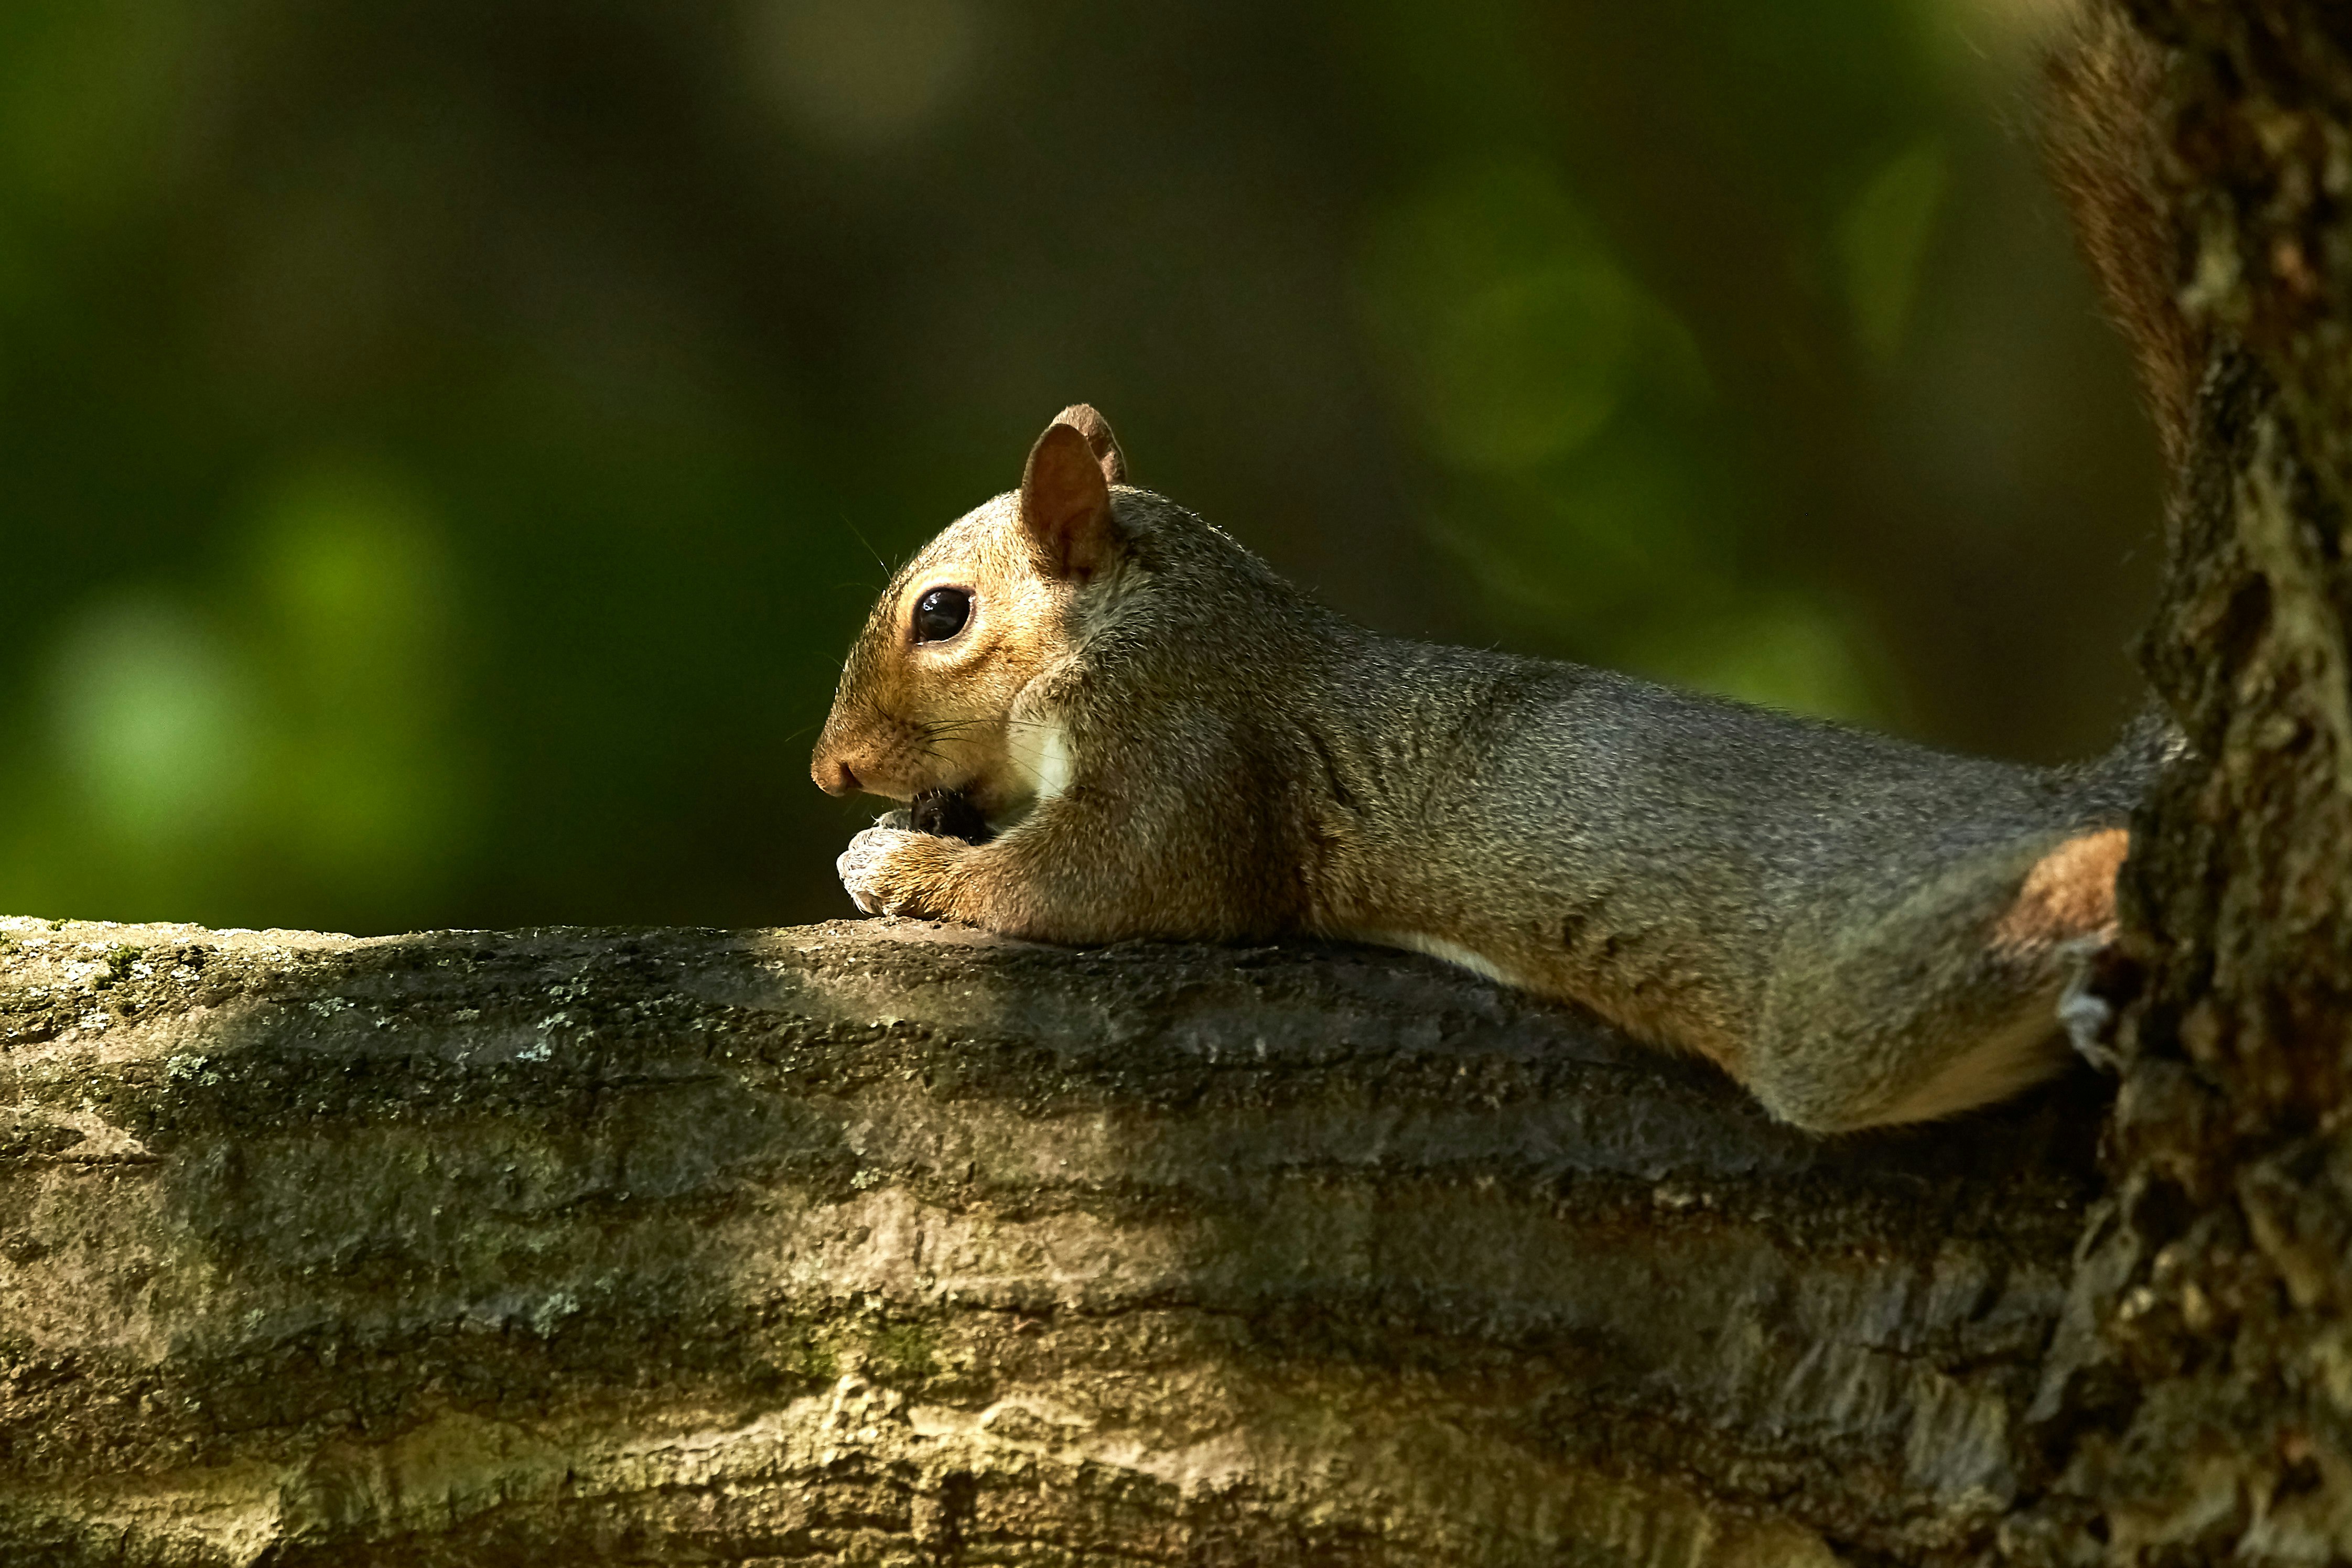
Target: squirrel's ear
point(1066, 494)
point(1088, 422)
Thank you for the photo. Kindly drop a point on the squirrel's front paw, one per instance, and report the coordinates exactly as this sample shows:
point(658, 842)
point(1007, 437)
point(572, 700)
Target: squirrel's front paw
point(2098, 980)
point(889, 871)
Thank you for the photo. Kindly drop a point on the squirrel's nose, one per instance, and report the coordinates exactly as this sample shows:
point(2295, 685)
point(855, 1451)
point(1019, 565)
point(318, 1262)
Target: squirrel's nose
point(833, 776)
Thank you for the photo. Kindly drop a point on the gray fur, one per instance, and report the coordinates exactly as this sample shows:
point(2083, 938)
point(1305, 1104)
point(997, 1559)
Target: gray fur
point(1861, 931)
point(1810, 906)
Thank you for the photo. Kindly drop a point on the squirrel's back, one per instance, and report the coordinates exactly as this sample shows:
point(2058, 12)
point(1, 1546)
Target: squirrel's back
point(1172, 741)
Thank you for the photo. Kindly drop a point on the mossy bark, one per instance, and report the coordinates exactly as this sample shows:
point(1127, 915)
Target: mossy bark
point(891, 1243)
point(2209, 1418)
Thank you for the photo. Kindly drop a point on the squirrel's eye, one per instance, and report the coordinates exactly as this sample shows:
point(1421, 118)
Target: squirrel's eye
point(940, 615)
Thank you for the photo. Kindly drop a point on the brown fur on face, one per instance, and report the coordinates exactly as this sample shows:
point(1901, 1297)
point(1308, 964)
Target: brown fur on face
point(910, 717)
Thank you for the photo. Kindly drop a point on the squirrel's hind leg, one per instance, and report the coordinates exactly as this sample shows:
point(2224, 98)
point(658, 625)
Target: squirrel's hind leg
point(1945, 1001)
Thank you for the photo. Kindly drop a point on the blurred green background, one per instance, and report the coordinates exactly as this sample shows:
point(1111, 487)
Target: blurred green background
point(445, 450)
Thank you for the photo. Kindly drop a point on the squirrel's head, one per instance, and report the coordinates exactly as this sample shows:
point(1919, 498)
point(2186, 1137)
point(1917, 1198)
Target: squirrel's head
point(926, 700)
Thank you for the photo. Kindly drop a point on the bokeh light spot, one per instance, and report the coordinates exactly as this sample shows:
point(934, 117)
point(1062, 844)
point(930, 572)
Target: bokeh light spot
point(1883, 243)
point(153, 720)
point(85, 95)
point(1509, 324)
point(1530, 369)
point(863, 72)
point(1787, 653)
point(353, 585)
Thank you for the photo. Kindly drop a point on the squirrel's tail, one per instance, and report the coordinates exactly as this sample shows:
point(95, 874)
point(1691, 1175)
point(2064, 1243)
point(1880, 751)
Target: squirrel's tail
point(2103, 133)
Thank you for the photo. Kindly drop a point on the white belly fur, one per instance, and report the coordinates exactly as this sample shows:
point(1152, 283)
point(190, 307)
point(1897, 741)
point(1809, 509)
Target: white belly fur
point(1439, 947)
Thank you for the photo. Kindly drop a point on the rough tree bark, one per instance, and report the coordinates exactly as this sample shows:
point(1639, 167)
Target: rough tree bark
point(2208, 1418)
point(889, 1243)
point(883, 1243)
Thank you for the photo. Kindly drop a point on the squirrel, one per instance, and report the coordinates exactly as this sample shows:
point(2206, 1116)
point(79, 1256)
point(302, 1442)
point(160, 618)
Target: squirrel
point(1163, 738)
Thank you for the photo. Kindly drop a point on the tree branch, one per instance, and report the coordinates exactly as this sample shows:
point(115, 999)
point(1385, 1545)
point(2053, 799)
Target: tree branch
point(883, 1238)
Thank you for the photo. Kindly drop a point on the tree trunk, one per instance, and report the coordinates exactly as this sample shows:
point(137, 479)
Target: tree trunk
point(2211, 1418)
point(882, 1242)
point(885, 1243)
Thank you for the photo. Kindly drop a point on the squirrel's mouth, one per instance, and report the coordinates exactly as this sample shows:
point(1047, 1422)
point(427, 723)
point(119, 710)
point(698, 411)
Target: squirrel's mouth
point(952, 814)
point(1001, 798)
